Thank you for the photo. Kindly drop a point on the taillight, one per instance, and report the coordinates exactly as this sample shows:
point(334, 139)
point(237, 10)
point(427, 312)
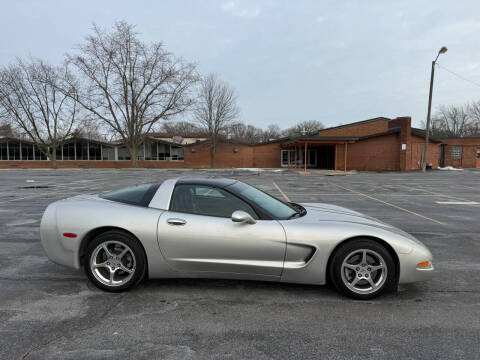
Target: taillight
point(70, 235)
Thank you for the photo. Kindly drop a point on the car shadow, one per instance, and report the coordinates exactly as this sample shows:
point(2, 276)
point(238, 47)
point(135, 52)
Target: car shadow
point(407, 292)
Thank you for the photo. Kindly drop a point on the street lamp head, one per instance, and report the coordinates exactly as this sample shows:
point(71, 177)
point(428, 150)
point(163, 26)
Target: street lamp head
point(442, 50)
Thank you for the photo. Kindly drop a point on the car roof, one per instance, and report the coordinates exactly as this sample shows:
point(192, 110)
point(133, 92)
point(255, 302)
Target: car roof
point(208, 181)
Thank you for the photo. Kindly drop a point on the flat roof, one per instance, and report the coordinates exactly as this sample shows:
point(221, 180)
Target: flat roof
point(422, 133)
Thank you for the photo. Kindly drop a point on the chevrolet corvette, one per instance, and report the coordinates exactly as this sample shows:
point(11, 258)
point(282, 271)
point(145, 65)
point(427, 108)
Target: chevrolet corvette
point(224, 228)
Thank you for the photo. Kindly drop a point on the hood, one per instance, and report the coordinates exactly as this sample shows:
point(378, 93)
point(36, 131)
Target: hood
point(327, 212)
point(318, 212)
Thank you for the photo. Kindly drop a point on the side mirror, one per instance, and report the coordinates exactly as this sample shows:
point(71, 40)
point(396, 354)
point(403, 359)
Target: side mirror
point(241, 216)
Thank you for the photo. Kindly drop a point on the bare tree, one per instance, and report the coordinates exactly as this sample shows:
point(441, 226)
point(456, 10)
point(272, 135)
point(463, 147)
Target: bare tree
point(309, 127)
point(455, 120)
point(245, 133)
point(474, 113)
point(92, 129)
point(216, 110)
point(272, 132)
point(451, 121)
point(32, 103)
point(181, 128)
point(131, 85)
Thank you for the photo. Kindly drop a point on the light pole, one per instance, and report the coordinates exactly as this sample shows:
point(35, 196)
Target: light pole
point(443, 50)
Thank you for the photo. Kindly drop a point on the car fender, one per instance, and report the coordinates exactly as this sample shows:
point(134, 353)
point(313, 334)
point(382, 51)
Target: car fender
point(318, 240)
point(80, 216)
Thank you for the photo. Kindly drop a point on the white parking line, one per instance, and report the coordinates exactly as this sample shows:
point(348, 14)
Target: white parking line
point(458, 202)
point(392, 205)
point(353, 194)
point(433, 193)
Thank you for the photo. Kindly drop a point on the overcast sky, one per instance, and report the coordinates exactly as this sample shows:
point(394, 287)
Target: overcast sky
point(290, 61)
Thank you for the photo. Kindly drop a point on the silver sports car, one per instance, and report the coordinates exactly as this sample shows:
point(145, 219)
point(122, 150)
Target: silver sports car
point(223, 228)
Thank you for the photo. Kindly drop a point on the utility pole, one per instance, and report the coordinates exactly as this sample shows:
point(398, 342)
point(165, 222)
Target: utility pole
point(427, 133)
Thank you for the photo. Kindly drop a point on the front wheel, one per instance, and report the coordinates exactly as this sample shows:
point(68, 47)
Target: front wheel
point(115, 261)
point(362, 269)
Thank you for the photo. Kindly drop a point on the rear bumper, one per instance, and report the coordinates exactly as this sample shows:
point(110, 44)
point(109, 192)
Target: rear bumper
point(52, 243)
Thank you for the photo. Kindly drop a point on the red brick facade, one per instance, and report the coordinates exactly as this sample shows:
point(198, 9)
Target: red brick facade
point(469, 152)
point(374, 154)
point(362, 128)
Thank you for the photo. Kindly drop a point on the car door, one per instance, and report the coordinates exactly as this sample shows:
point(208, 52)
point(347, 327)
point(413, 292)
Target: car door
point(197, 234)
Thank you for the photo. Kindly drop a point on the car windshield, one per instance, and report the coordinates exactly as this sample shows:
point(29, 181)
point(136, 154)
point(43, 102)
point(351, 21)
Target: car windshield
point(273, 206)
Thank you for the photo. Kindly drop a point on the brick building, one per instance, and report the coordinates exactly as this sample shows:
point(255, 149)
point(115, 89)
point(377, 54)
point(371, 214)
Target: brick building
point(378, 144)
point(460, 152)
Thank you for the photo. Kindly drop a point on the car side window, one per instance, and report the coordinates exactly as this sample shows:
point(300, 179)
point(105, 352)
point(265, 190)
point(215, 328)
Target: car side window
point(140, 195)
point(208, 201)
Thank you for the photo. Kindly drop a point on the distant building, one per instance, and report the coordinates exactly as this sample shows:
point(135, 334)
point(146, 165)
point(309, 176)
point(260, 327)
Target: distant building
point(378, 144)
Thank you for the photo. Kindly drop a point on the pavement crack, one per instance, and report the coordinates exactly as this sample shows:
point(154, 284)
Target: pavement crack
point(106, 313)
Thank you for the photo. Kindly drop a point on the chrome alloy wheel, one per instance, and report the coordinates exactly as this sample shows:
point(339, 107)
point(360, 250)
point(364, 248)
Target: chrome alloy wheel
point(112, 263)
point(364, 271)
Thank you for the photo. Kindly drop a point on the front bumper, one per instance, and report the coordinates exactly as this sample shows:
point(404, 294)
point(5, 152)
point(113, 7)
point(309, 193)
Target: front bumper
point(409, 272)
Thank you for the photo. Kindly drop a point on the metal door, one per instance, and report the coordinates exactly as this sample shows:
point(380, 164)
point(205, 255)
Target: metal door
point(193, 243)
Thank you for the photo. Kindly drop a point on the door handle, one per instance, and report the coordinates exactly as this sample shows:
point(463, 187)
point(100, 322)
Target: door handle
point(176, 221)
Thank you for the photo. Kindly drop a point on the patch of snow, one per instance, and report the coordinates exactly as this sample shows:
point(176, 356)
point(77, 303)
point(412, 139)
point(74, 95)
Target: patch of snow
point(449, 168)
point(258, 169)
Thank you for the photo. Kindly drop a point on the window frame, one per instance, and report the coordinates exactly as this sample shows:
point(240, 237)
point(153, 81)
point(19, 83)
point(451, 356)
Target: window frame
point(261, 215)
point(456, 152)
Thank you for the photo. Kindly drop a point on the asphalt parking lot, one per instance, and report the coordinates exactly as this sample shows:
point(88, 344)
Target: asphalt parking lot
point(49, 311)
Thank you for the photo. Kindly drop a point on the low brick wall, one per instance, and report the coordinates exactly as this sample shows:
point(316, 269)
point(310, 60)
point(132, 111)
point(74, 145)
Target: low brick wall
point(68, 164)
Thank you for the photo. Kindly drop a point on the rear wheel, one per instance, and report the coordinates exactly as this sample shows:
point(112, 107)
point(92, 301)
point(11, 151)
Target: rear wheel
point(362, 269)
point(115, 261)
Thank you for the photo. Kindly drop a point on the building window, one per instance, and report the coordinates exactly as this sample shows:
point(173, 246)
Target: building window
point(288, 158)
point(163, 152)
point(14, 150)
point(40, 155)
point(59, 152)
point(176, 153)
point(153, 151)
point(108, 153)
point(94, 151)
point(3, 151)
point(123, 153)
point(148, 151)
point(140, 154)
point(82, 150)
point(69, 151)
point(27, 151)
point(456, 152)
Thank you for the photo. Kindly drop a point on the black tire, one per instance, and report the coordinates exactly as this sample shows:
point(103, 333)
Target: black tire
point(343, 276)
point(134, 260)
